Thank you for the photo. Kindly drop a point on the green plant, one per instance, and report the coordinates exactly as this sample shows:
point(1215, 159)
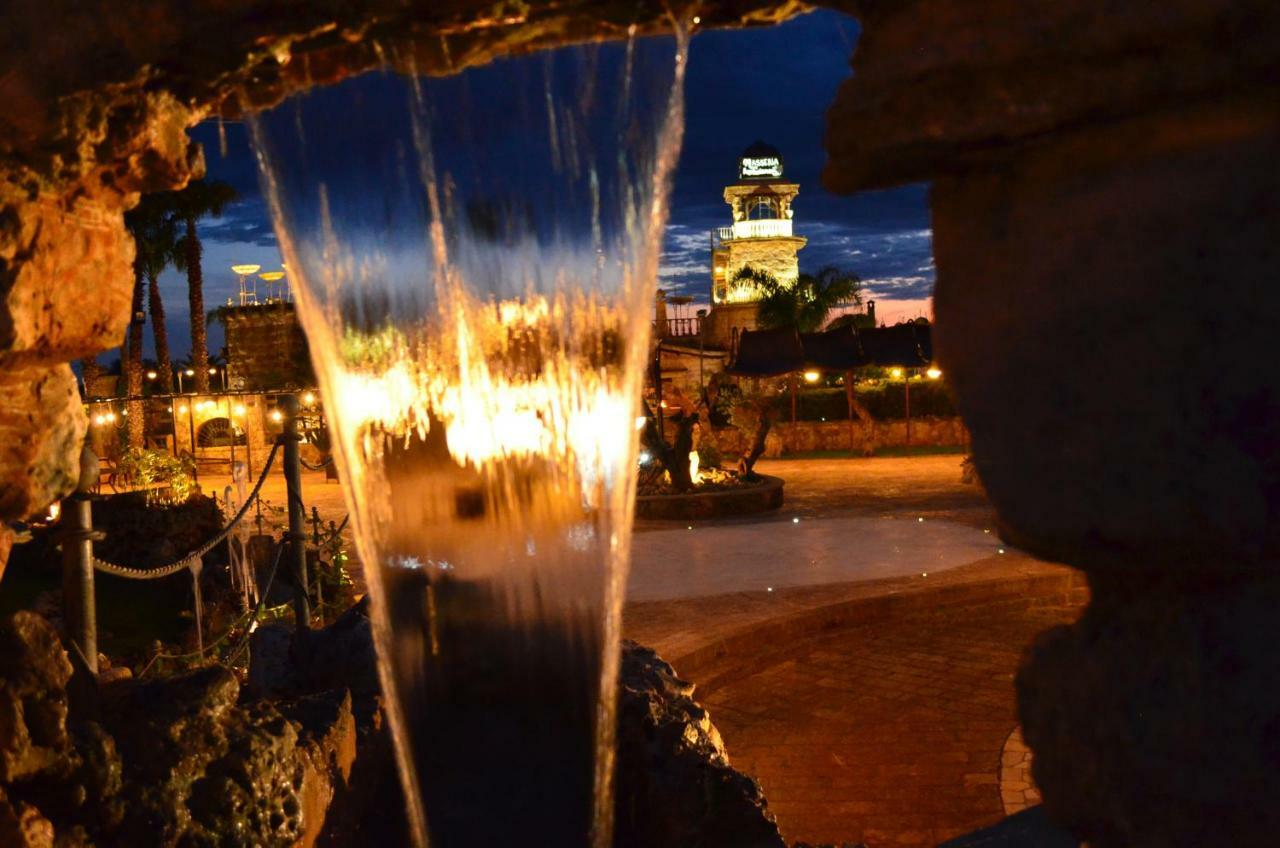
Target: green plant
point(709, 456)
point(804, 304)
point(168, 480)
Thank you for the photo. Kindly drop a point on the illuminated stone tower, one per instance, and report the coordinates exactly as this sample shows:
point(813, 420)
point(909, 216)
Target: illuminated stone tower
point(761, 235)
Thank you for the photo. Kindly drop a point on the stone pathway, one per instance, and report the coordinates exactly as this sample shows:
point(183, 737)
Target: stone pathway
point(1017, 787)
point(892, 734)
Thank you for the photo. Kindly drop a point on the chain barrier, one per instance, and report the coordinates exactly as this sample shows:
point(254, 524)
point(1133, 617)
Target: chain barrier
point(246, 621)
point(319, 466)
point(186, 561)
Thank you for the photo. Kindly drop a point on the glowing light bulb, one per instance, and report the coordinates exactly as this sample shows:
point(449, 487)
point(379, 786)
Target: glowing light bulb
point(933, 373)
point(276, 416)
point(151, 375)
point(811, 376)
point(183, 409)
point(239, 409)
point(309, 398)
point(895, 373)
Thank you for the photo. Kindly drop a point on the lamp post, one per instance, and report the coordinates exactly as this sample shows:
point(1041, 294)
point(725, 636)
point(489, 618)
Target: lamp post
point(272, 278)
point(245, 273)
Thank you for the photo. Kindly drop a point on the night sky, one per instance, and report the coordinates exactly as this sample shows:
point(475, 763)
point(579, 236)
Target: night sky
point(770, 84)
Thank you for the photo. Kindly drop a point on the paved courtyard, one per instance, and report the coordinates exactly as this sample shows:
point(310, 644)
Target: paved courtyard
point(892, 735)
point(856, 649)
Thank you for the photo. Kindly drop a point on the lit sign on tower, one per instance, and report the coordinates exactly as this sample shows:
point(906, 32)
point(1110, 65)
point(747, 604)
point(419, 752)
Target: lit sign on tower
point(750, 167)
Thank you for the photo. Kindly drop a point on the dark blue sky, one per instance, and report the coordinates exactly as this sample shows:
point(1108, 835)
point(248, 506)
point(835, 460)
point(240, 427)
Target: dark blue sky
point(773, 84)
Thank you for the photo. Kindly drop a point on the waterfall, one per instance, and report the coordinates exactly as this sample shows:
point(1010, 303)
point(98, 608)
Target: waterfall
point(474, 258)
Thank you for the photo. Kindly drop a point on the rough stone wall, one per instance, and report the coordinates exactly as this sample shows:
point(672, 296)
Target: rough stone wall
point(809, 436)
point(718, 329)
point(773, 256)
point(265, 348)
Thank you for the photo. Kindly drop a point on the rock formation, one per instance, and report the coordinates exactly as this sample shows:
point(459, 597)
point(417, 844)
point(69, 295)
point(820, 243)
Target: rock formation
point(178, 761)
point(1104, 217)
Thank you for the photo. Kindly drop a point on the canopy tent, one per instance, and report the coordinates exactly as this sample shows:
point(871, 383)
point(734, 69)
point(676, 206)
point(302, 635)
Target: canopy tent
point(769, 353)
point(907, 345)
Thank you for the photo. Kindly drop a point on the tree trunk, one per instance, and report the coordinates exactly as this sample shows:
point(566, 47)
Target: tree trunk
point(746, 466)
point(160, 333)
point(89, 372)
point(136, 428)
point(195, 297)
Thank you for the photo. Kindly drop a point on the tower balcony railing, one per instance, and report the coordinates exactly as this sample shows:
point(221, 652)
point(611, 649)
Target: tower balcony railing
point(764, 228)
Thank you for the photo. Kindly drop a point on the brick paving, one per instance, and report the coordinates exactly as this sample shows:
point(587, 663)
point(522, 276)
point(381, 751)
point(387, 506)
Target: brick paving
point(891, 734)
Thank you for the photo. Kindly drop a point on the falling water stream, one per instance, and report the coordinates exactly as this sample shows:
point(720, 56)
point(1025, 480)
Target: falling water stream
point(473, 258)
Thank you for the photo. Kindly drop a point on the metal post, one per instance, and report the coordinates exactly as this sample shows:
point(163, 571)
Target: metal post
point(848, 396)
point(791, 378)
point(79, 606)
point(191, 431)
point(907, 372)
point(297, 512)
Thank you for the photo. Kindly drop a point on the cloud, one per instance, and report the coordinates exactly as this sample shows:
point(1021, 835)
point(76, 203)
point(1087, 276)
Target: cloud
point(245, 222)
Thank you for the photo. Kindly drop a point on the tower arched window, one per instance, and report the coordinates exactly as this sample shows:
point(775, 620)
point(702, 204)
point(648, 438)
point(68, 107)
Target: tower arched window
point(763, 209)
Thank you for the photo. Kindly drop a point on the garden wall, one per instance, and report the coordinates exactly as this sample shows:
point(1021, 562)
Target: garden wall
point(809, 436)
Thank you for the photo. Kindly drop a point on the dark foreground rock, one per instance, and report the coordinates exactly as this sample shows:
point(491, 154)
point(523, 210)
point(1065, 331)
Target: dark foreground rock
point(178, 761)
point(298, 758)
point(674, 784)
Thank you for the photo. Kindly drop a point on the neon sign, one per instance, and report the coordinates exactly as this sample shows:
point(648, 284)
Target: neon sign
point(760, 166)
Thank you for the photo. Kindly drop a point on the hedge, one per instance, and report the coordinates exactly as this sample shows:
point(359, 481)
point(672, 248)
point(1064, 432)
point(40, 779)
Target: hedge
point(884, 400)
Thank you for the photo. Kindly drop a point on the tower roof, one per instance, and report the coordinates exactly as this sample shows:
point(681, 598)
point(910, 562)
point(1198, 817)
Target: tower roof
point(760, 161)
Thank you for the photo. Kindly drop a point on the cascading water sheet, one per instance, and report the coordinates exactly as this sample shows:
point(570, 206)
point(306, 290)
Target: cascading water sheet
point(473, 259)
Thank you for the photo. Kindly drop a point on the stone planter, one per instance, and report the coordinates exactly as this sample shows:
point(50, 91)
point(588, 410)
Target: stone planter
point(746, 500)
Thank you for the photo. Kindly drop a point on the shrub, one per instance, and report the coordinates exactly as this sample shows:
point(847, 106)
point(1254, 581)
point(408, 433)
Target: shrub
point(884, 400)
point(167, 479)
point(709, 456)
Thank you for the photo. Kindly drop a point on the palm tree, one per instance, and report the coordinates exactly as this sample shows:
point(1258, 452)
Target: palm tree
point(199, 199)
point(805, 304)
point(152, 231)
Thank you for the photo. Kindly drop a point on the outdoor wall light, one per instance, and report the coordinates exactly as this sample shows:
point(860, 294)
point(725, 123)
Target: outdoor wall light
point(811, 376)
